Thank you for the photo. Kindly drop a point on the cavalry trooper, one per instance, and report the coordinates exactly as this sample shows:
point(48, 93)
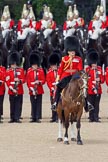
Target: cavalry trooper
point(79, 20)
point(2, 86)
point(46, 24)
point(70, 64)
point(96, 78)
point(96, 26)
point(51, 76)
point(23, 27)
point(15, 79)
point(6, 23)
point(35, 81)
point(69, 25)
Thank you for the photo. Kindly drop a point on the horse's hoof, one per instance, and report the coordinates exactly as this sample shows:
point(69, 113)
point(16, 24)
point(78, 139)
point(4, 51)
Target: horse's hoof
point(59, 139)
point(66, 142)
point(80, 142)
point(73, 139)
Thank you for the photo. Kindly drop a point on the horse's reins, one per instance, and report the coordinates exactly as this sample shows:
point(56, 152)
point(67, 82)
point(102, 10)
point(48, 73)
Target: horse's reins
point(80, 94)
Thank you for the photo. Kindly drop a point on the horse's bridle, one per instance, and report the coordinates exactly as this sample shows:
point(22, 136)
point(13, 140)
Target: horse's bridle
point(100, 44)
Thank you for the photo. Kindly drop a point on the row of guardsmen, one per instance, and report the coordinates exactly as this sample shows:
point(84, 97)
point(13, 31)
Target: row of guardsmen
point(28, 22)
point(58, 76)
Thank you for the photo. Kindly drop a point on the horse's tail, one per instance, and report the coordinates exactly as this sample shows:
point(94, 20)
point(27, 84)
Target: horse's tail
point(63, 117)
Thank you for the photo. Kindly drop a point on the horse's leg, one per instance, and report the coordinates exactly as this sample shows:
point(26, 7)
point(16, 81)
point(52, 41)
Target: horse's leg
point(73, 131)
point(78, 125)
point(66, 130)
point(59, 139)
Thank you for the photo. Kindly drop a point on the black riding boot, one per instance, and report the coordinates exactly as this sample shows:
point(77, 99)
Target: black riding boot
point(57, 97)
point(88, 106)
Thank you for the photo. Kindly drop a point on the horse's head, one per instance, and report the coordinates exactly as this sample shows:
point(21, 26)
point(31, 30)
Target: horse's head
point(102, 42)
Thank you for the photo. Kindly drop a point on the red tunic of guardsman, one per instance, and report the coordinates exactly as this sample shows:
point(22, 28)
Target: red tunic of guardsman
point(32, 75)
point(96, 78)
point(35, 81)
point(92, 80)
point(106, 76)
point(2, 80)
point(51, 76)
point(69, 66)
point(15, 79)
point(2, 88)
point(10, 80)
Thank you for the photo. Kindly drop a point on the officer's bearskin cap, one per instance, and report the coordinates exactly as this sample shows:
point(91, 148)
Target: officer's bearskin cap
point(92, 56)
point(54, 59)
point(14, 58)
point(71, 44)
point(34, 58)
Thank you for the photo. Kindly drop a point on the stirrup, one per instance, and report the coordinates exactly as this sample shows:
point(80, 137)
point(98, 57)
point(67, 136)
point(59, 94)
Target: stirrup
point(53, 107)
point(90, 107)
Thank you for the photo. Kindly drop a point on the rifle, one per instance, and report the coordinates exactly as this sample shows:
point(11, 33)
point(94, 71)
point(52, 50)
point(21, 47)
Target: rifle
point(97, 82)
point(16, 82)
point(35, 86)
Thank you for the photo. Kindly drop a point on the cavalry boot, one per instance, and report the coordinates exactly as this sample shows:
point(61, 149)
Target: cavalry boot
point(57, 97)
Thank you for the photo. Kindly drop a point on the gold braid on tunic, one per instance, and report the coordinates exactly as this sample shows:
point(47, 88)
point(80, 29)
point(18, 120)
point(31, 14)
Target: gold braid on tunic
point(67, 63)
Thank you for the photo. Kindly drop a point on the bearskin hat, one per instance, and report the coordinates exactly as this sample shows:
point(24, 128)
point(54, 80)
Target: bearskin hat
point(92, 56)
point(71, 43)
point(54, 59)
point(14, 58)
point(34, 59)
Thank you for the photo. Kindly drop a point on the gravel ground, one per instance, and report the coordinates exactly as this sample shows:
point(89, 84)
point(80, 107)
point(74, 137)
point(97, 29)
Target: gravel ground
point(37, 142)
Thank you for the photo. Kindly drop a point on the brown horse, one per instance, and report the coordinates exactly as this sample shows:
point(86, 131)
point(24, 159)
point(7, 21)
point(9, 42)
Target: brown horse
point(70, 107)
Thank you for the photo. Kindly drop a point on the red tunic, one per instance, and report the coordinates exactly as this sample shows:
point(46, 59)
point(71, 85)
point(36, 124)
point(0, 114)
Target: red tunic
point(69, 66)
point(10, 76)
point(100, 25)
point(39, 25)
point(51, 79)
point(92, 79)
point(106, 76)
point(66, 26)
point(11, 23)
point(106, 23)
point(31, 78)
point(2, 80)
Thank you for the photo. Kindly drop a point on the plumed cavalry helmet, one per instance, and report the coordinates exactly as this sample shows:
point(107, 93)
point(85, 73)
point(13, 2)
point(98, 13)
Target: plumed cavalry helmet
point(69, 12)
point(92, 57)
point(71, 43)
point(54, 59)
point(14, 58)
point(29, 2)
point(75, 11)
point(34, 59)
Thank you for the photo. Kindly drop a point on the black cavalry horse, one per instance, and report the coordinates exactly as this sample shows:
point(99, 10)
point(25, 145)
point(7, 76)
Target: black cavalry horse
point(28, 46)
point(101, 45)
point(3, 51)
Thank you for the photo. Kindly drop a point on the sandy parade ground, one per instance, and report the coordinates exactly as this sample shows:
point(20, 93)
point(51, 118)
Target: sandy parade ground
point(37, 142)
